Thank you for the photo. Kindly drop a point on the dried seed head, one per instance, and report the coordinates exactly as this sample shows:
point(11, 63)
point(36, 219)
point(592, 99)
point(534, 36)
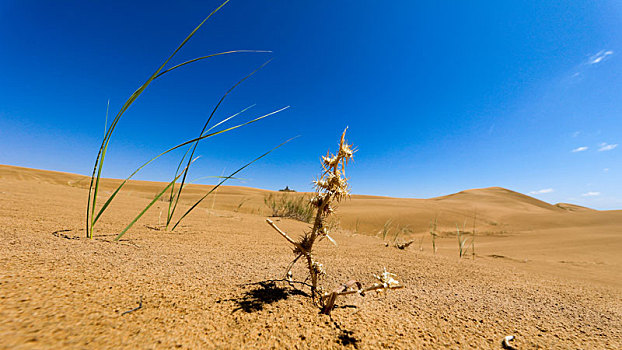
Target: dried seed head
point(333, 183)
point(345, 151)
point(330, 162)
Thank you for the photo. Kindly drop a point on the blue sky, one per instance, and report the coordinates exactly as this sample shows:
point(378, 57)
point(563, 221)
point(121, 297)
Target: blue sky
point(439, 96)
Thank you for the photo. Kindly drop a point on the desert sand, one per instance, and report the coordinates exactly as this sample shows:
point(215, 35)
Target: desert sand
point(550, 275)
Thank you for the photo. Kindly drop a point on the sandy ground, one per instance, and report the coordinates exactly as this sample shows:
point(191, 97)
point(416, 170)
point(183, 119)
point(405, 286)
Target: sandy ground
point(547, 274)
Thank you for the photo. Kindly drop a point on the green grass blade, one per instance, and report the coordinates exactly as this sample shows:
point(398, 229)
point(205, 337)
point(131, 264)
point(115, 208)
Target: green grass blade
point(214, 177)
point(230, 117)
point(172, 205)
point(106, 120)
point(225, 179)
point(183, 180)
point(101, 211)
point(397, 234)
point(146, 208)
point(209, 56)
point(89, 213)
point(172, 192)
point(169, 214)
point(237, 126)
point(219, 123)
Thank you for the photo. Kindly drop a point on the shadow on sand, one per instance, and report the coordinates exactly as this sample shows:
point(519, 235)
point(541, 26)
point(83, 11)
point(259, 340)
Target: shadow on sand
point(266, 292)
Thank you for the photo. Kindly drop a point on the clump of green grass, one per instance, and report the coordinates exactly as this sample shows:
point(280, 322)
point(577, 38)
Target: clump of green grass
point(386, 228)
point(244, 200)
point(331, 188)
point(461, 241)
point(434, 233)
point(421, 242)
point(290, 206)
point(473, 236)
point(401, 231)
point(92, 214)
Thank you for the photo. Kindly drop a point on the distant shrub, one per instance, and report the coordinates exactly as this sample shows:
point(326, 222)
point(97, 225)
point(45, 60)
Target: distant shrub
point(290, 206)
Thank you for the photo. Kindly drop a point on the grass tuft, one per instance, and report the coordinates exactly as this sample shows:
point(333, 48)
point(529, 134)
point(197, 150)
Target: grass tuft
point(401, 231)
point(462, 240)
point(386, 228)
point(101, 155)
point(92, 214)
point(434, 233)
point(244, 200)
point(290, 206)
point(473, 235)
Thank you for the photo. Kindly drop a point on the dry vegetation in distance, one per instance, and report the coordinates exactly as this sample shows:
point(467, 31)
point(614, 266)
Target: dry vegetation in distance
point(289, 206)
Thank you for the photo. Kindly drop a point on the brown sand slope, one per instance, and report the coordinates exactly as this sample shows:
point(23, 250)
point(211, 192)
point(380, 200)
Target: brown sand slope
point(571, 207)
point(547, 275)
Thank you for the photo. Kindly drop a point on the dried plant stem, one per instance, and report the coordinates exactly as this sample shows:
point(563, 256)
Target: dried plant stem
point(291, 265)
point(386, 279)
point(375, 286)
point(302, 251)
point(317, 225)
point(288, 238)
point(331, 187)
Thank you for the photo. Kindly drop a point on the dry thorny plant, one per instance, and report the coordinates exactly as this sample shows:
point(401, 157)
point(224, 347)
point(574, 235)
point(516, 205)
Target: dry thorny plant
point(331, 188)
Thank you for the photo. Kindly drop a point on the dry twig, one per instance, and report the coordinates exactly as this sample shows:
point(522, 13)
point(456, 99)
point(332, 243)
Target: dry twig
point(140, 306)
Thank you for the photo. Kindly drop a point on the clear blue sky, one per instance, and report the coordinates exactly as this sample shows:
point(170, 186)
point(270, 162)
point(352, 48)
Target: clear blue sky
point(439, 96)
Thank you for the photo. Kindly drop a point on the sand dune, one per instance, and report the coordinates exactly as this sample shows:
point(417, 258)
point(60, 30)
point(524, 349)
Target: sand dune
point(549, 274)
point(506, 222)
point(572, 207)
